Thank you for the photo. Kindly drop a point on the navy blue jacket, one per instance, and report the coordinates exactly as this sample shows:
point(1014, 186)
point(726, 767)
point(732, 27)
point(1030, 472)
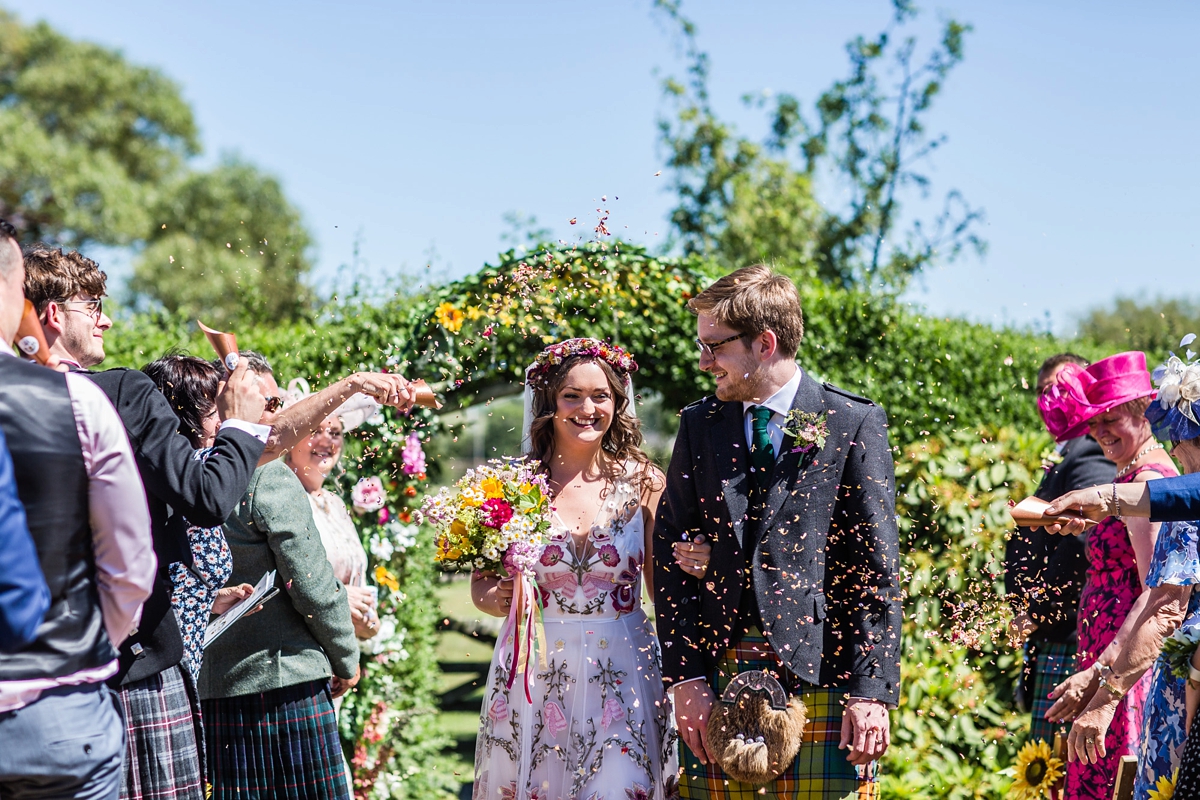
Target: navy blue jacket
point(1175, 499)
point(24, 596)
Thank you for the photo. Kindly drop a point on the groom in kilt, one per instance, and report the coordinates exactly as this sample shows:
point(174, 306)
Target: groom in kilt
point(792, 482)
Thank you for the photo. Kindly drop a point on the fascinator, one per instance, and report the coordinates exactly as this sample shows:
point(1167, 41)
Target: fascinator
point(1174, 418)
point(1064, 406)
point(1117, 380)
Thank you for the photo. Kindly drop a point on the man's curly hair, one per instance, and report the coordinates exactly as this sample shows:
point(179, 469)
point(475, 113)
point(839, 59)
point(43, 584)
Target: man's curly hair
point(52, 276)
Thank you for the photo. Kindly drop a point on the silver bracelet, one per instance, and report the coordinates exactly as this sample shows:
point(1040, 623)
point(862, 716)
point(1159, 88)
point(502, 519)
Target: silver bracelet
point(1116, 501)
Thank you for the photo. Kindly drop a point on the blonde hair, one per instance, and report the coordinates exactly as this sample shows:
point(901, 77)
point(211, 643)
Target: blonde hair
point(754, 300)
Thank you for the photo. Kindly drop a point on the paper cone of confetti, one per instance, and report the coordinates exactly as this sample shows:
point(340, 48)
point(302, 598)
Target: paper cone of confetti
point(31, 339)
point(425, 395)
point(224, 343)
point(1031, 513)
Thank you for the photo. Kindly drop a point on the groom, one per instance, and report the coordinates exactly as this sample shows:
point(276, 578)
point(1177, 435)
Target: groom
point(792, 482)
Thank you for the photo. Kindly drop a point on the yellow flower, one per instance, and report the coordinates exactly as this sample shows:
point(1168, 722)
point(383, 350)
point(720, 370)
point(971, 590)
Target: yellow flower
point(492, 487)
point(1164, 787)
point(449, 317)
point(385, 578)
point(525, 488)
point(1037, 769)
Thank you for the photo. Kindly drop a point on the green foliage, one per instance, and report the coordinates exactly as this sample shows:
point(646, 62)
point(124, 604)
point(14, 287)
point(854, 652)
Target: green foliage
point(96, 151)
point(477, 335)
point(741, 201)
point(229, 248)
point(957, 727)
point(87, 137)
point(1154, 327)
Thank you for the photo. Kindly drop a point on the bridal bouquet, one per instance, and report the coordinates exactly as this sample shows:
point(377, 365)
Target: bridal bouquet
point(495, 517)
point(1177, 650)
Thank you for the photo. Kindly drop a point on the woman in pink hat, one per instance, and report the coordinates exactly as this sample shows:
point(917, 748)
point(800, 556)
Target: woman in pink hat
point(1111, 397)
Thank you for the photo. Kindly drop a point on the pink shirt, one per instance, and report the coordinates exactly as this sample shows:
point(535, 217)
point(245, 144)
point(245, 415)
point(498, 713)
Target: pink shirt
point(124, 550)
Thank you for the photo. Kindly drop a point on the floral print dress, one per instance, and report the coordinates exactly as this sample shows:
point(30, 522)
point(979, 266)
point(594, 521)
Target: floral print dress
point(1176, 562)
point(195, 588)
point(1112, 586)
point(599, 726)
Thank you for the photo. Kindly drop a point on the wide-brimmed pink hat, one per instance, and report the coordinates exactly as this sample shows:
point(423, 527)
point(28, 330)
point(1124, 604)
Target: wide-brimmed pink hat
point(1118, 379)
point(1064, 406)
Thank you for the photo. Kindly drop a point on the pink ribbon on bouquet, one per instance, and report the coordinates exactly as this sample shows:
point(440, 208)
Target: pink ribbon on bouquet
point(525, 621)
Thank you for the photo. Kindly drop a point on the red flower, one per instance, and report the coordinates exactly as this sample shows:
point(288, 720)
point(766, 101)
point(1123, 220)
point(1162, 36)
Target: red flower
point(411, 491)
point(405, 516)
point(496, 512)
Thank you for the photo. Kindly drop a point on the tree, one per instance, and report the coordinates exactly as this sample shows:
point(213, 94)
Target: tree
point(87, 137)
point(228, 245)
point(1154, 327)
point(742, 201)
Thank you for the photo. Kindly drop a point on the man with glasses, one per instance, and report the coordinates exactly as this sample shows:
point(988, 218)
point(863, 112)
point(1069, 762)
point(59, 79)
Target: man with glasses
point(163, 754)
point(1044, 574)
point(792, 482)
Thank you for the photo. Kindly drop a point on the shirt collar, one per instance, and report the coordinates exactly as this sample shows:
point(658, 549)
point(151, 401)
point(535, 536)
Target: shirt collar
point(780, 402)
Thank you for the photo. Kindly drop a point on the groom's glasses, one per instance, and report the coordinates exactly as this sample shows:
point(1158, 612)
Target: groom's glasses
point(710, 348)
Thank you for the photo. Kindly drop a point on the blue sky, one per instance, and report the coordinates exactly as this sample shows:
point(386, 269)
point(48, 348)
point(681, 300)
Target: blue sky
point(411, 128)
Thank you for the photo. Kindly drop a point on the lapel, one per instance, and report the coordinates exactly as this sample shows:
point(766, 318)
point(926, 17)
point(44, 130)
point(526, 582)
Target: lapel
point(732, 453)
point(790, 466)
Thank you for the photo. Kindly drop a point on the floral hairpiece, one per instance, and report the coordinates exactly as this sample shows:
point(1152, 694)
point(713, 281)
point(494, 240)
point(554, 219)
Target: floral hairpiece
point(557, 353)
point(1174, 416)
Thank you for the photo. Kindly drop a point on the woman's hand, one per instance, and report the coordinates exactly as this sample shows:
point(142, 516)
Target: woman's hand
point(362, 611)
point(230, 596)
point(1086, 741)
point(491, 593)
point(1073, 695)
point(693, 557)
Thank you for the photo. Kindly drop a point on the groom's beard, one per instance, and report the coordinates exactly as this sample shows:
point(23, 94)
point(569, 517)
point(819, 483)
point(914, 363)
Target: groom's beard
point(741, 387)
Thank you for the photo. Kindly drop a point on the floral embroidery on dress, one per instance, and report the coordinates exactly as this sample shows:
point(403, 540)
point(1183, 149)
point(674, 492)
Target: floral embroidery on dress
point(600, 724)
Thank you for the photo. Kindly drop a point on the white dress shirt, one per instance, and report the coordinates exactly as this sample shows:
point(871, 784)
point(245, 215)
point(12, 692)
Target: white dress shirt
point(780, 404)
point(121, 541)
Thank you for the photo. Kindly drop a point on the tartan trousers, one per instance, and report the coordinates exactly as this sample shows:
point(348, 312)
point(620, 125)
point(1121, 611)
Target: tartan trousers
point(820, 771)
point(1054, 663)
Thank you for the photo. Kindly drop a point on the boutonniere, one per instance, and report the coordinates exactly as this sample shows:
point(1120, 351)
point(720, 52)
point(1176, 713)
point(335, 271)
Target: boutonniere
point(1051, 458)
point(808, 430)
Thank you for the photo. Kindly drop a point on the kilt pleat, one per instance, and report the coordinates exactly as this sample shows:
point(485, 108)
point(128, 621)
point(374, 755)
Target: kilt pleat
point(162, 752)
point(278, 744)
point(820, 770)
point(1055, 662)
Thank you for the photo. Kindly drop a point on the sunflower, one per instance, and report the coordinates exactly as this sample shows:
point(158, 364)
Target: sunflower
point(1037, 769)
point(1164, 787)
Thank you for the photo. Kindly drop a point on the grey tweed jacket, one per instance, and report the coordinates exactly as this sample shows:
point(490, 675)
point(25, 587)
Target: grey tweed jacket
point(304, 632)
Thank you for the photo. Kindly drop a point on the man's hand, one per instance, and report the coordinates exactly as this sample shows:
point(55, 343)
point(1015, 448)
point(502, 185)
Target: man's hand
point(239, 396)
point(386, 389)
point(693, 703)
point(340, 685)
point(1073, 695)
point(865, 730)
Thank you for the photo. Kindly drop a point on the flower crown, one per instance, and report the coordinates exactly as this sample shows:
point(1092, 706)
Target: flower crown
point(1174, 417)
point(557, 353)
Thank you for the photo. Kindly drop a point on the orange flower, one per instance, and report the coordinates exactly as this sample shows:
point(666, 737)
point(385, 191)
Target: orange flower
point(385, 578)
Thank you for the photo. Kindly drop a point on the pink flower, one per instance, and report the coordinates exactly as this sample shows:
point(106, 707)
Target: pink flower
point(368, 495)
point(551, 555)
point(609, 556)
point(384, 516)
point(495, 512)
point(612, 713)
point(498, 711)
point(624, 599)
point(412, 457)
point(556, 720)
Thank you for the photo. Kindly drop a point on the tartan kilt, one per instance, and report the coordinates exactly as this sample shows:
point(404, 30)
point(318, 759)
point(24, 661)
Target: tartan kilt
point(820, 771)
point(278, 744)
point(1054, 663)
point(163, 740)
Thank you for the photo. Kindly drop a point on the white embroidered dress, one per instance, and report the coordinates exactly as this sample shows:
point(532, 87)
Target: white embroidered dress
point(599, 727)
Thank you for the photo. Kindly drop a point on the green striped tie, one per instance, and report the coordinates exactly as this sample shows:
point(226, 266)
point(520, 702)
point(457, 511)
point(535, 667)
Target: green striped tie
point(762, 453)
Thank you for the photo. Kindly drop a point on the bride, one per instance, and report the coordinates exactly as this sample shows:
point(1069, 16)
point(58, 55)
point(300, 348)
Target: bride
point(599, 724)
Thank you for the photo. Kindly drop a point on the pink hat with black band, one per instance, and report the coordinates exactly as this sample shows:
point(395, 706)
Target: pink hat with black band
point(1117, 380)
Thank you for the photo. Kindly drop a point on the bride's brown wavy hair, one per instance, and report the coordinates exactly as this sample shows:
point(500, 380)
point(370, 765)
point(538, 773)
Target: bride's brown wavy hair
point(623, 439)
